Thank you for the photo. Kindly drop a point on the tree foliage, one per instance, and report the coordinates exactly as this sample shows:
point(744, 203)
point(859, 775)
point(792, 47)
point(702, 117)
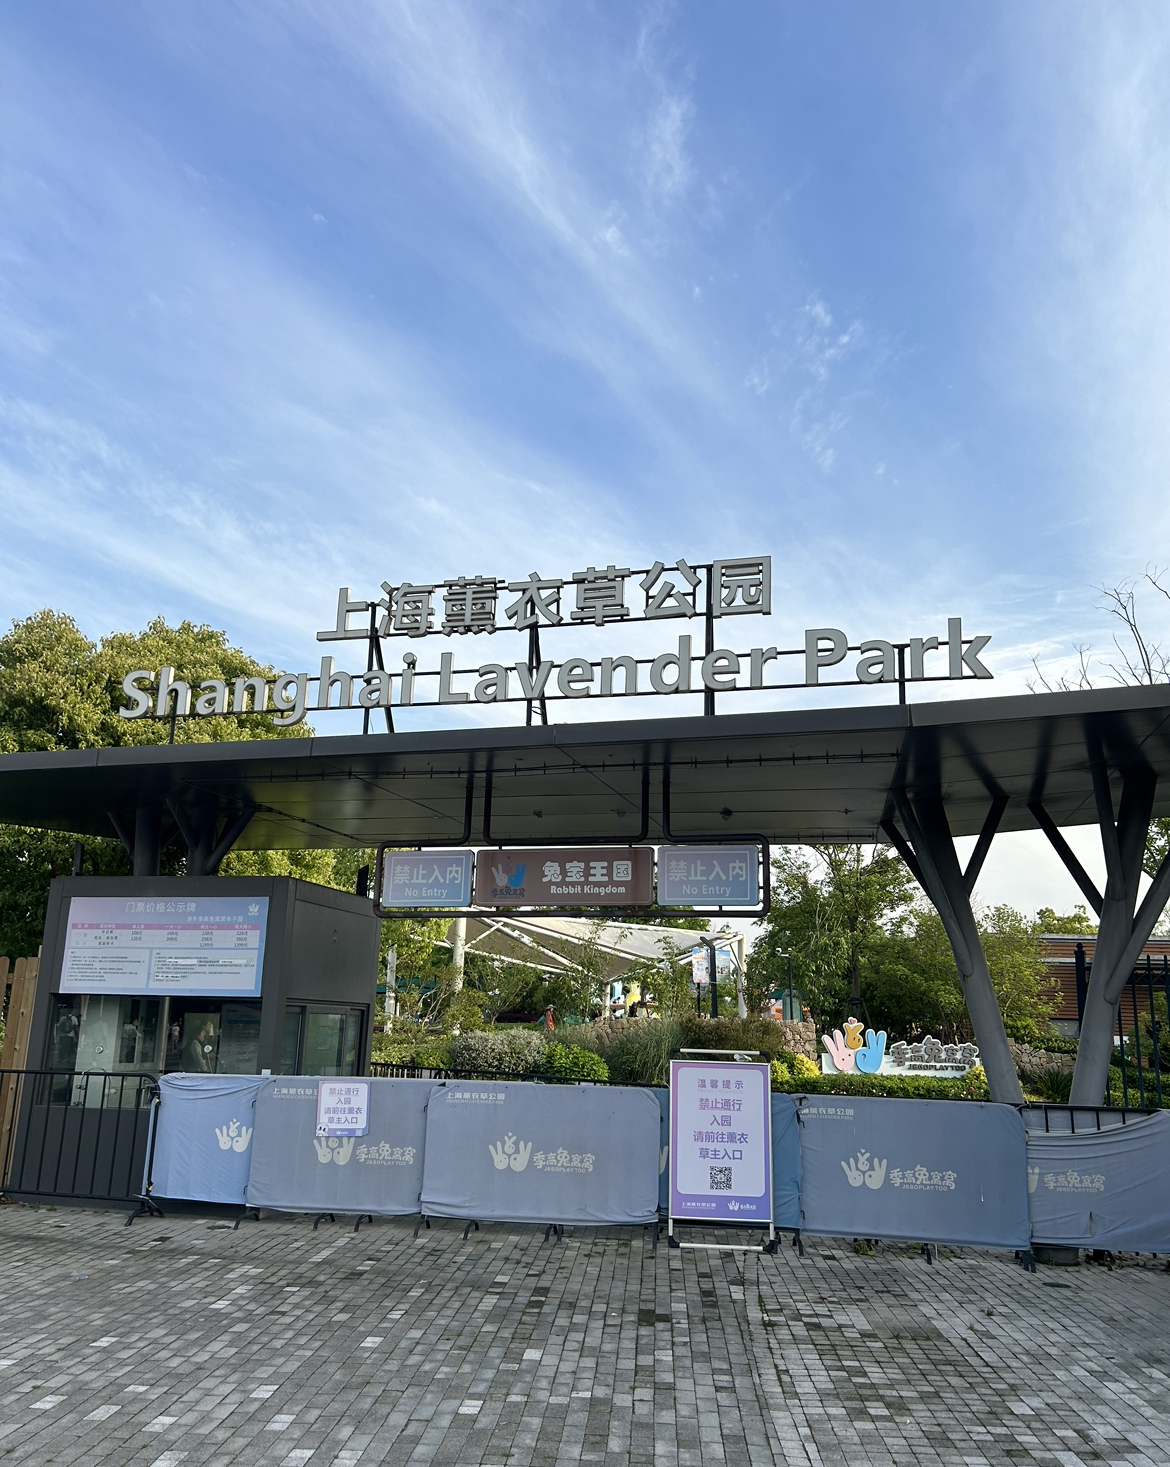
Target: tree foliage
point(60, 690)
point(829, 905)
point(862, 944)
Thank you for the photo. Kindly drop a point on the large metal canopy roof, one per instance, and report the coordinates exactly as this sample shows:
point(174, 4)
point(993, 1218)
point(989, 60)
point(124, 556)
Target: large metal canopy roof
point(816, 775)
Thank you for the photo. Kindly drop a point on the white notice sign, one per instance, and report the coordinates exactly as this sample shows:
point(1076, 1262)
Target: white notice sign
point(343, 1107)
point(205, 947)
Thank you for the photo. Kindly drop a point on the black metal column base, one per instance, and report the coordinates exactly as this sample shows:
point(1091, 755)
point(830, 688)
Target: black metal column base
point(321, 1216)
point(468, 1228)
point(363, 1217)
point(422, 1218)
point(248, 1212)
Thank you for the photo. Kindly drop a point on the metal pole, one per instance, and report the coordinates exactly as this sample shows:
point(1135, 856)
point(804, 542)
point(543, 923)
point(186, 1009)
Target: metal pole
point(709, 647)
point(713, 977)
point(741, 979)
point(458, 950)
point(791, 1010)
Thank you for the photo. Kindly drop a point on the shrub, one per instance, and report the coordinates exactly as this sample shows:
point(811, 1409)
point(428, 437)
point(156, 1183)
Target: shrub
point(805, 1069)
point(1052, 1087)
point(972, 1086)
point(512, 1052)
point(732, 1033)
point(637, 1051)
point(430, 1051)
point(572, 1062)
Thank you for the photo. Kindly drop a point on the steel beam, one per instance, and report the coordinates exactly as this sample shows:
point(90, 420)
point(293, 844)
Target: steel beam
point(942, 878)
point(1122, 933)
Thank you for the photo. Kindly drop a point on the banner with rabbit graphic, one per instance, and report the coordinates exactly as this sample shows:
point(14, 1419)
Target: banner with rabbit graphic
point(296, 1169)
point(514, 1151)
point(204, 1136)
point(1101, 1189)
point(920, 1171)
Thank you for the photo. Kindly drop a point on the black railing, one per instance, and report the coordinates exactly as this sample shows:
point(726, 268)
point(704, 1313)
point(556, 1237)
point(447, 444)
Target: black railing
point(1063, 1119)
point(74, 1134)
point(379, 1071)
point(1137, 1010)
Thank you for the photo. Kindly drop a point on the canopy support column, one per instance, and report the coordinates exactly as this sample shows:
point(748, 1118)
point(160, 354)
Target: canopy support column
point(930, 853)
point(1123, 931)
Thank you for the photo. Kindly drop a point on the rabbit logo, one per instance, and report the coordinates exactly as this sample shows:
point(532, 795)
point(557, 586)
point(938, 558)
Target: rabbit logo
point(234, 1137)
point(846, 1050)
point(873, 1174)
point(1033, 1178)
point(510, 1154)
point(515, 881)
point(338, 1149)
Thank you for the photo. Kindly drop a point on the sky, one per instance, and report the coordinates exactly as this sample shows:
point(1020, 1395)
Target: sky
point(301, 295)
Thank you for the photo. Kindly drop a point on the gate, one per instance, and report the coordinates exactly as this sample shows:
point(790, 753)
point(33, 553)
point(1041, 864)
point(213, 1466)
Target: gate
point(74, 1135)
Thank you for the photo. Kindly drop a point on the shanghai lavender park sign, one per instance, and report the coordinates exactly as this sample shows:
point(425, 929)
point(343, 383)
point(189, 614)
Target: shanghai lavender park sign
point(697, 601)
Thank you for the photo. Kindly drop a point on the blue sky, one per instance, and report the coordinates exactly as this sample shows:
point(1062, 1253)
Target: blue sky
point(296, 295)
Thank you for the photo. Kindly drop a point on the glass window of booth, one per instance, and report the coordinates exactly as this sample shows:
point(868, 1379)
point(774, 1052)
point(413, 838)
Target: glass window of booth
point(318, 1041)
point(153, 1035)
point(104, 1032)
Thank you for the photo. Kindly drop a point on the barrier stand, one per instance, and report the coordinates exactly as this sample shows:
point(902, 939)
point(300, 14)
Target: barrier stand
point(555, 1228)
point(422, 1218)
point(253, 1212)
point(147, 1206)
point(474, 1225)
point(319, 1217)
point(771, 1245)
point(358, 1220)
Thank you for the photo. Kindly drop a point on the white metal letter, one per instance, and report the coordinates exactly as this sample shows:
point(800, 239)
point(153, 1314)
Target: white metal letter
point(142, 701)
point(815, 658)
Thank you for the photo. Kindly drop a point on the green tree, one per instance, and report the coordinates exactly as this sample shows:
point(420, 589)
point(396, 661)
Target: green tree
point(665, 980)
point(911, 985)
point(829, 904)
point(60, 690)
point(1077, 923)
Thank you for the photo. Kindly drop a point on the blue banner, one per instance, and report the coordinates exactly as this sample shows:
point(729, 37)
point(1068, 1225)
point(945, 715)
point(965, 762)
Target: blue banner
point(298, 1169)
point(785, 1163)
point(203, 1136)
point(1102, 1189)
point(925, 1171)
point(516, 1151)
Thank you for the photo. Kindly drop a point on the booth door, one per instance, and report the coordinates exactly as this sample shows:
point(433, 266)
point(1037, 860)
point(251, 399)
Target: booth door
point(319, 1040)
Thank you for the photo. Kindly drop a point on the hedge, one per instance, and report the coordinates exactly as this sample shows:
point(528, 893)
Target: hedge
point(791, 1075)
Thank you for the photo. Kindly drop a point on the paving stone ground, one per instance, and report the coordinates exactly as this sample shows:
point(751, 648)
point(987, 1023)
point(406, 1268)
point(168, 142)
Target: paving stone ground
point(181, 1341)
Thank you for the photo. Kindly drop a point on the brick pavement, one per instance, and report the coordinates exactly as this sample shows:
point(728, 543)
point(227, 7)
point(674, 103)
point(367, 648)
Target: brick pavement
point(181, 1342)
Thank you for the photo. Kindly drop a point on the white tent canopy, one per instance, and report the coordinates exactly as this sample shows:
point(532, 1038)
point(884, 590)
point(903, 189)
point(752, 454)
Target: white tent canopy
point(549, 943)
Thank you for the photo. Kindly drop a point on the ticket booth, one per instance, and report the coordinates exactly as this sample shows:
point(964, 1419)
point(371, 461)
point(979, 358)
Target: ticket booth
point(227, 975)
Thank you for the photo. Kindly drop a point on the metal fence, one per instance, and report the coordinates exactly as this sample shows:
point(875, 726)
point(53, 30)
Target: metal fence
point(74, 1135)
point(1077, 1119)
point(1142, 1016)
point(421, 1072)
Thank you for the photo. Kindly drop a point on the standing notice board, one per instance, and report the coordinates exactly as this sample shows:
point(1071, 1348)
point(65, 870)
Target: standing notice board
point(207, 947)
point(720, 1143)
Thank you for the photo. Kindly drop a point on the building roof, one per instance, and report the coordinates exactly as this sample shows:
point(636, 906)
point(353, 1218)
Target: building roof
point(823, 774)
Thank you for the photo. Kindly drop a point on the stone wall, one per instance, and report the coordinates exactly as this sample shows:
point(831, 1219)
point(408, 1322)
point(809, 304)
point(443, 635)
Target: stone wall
point(800, 1036)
